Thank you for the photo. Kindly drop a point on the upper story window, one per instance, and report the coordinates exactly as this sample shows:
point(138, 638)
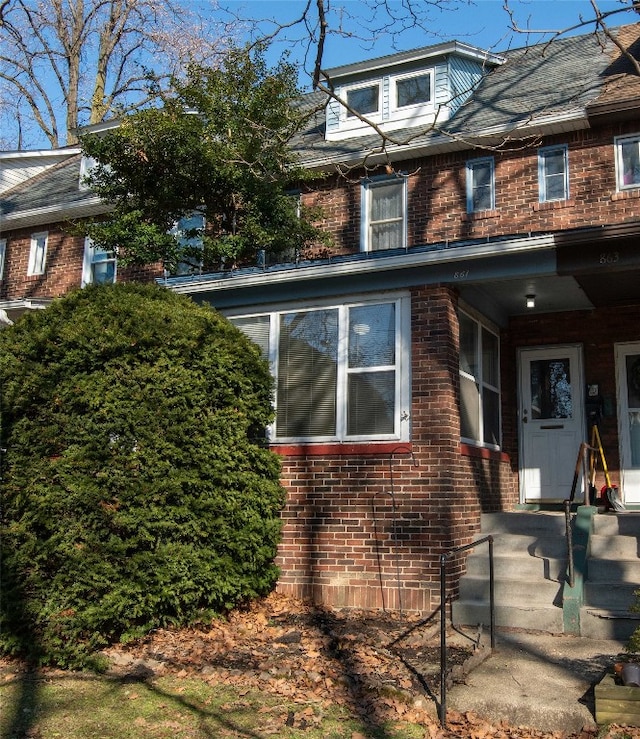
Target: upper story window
point(413, 90)
point(364, 100)
point(481, 192)
point(553, 173)
point(189, 232)
point(99, 265)
point(628, 161)
point(479, 382)
point(342, 372)
point(3, 251)
point(38, 254)
point(87, 164)
point(384, 213)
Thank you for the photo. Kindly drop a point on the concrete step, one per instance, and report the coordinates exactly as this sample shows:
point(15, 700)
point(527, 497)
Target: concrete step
point(604, 546)
point(614, 596)
point(607, 624)
point(524, 545)
point(511, 592)
point(530, 555)
point(613, 524)
point(606, 570)
point(472, 613)
point(513, 565)
point(531, 524)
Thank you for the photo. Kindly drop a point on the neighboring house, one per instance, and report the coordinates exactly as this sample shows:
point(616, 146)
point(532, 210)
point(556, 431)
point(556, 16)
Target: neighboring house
point(482, 305)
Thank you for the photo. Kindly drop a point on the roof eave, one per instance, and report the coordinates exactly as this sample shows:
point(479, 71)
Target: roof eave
point(53, 214)
point(495, 136)
point(326, 271)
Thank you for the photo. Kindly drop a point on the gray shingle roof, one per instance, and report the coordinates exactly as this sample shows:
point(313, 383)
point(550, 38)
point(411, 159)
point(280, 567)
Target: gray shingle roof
point(535, 83)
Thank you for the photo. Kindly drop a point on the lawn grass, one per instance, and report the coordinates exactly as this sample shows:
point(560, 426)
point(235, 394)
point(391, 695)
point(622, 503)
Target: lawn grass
point(82, 706)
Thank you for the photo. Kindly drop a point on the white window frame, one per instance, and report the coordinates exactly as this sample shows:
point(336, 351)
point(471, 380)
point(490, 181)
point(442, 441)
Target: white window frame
point(481, 383)
point(89, 261)
point(619, 141)
point(415, 108)
point(368, 187)
point(472, 187)
point(544, 175)
point(38, 254)
point(3, 251)
point(401, 367)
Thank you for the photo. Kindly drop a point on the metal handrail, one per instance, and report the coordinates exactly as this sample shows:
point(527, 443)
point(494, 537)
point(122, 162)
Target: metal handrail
point(581, 461)
point(443, 614)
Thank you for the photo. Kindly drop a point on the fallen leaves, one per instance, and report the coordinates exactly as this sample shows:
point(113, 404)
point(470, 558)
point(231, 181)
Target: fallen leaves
point(381, 667)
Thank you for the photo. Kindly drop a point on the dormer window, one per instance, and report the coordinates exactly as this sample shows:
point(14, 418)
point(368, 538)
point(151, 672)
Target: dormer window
point(364, 101)
point(413, 90)
point(398, 92)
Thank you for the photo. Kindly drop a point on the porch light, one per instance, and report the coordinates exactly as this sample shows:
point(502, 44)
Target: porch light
point(531, 301)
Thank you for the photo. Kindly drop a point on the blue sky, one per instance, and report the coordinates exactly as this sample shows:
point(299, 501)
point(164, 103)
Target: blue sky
point(483, 23)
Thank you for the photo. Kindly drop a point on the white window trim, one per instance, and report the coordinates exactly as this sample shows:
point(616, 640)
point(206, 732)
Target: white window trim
point(38, 255)
point(470, 165)
point(345, 113)
point(365, 209)
point(618, 141)
point(415, 108)
point(542, 173)
point(87, 164)
point(3, 251)
point(479, 380)
point(402, 367)
point(88, 262)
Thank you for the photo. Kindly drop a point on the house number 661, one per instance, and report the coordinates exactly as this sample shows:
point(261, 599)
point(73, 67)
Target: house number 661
point(460, 274)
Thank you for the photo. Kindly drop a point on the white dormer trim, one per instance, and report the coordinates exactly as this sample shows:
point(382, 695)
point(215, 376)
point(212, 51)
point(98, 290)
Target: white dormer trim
point(444, 77)
point(388, 114)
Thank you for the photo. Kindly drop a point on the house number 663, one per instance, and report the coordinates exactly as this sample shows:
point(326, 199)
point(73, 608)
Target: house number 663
point(609, 257)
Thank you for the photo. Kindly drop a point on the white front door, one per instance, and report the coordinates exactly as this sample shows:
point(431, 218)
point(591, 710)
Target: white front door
point(628, 387)
point(551, 422)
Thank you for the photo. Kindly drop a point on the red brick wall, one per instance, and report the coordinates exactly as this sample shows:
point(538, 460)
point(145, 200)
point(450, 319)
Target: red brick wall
point(63, 265)
point(367, 528)
point(437, 193)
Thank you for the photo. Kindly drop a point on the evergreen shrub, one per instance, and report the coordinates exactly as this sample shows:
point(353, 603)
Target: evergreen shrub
point(137, 491)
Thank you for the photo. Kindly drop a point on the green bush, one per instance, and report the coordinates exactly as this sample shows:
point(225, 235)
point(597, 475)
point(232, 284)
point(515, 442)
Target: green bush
point(137, 492)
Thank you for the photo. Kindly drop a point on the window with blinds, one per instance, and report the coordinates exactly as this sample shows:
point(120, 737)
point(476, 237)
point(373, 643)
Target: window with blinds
point(479, 383)
point(338, 369)
point(384, 208)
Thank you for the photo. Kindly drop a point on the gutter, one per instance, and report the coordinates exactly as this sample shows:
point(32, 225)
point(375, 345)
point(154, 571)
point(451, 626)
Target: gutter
point(360, 264)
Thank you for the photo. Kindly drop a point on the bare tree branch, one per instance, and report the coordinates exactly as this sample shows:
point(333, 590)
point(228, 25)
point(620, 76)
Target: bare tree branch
point(72, 62)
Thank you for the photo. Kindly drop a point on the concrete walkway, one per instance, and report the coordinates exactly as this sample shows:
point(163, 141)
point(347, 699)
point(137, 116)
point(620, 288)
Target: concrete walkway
point(537, 680)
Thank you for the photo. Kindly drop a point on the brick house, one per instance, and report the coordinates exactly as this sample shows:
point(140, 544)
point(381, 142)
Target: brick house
point(480, 308)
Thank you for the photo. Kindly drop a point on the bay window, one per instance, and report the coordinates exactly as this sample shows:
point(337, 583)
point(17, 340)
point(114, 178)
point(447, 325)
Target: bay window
point(479, 383)
point(340, 371)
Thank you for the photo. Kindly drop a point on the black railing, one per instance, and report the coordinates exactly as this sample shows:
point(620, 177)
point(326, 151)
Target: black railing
point(444, 558)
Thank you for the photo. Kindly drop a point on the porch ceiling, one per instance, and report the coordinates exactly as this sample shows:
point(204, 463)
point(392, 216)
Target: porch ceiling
point(503, 298)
